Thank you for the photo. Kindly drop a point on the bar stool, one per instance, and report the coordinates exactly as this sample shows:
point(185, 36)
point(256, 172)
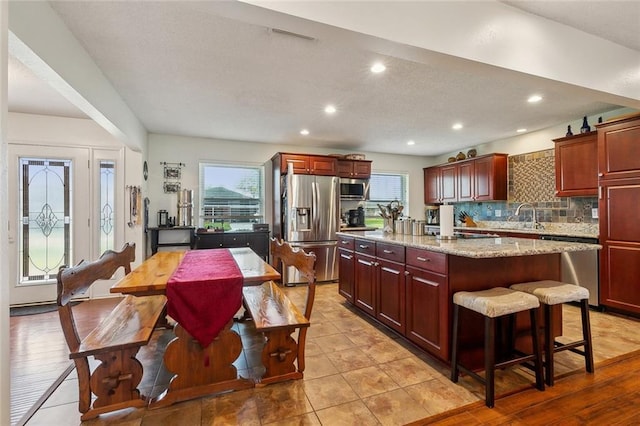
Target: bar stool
point(554, 293)
point(494, 304)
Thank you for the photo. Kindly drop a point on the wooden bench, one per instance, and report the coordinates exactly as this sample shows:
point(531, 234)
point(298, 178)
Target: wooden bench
point(115, 341)
point(277, 317)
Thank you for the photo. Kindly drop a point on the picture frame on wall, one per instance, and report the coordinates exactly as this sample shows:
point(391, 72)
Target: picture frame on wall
point(171, 187)
point(172, 172)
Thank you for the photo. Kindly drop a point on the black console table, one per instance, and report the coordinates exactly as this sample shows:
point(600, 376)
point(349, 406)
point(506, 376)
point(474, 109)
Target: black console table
point(258, 241)
point(155, 236)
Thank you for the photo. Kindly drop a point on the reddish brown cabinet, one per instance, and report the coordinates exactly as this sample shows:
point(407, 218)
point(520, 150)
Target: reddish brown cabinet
point(619, 198)
point(346, 265)
point(475, 179)
point(391, 285)
point(365, 277)
point(306, 164)
point(576, 167)
point(427, 307)
point(356, 169)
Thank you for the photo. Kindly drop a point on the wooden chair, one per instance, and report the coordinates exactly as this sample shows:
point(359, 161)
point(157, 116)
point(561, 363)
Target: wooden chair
point(277, 317)
point(115, 341)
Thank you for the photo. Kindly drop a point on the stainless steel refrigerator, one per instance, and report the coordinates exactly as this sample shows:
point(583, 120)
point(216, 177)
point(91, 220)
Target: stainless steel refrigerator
point(311, 218)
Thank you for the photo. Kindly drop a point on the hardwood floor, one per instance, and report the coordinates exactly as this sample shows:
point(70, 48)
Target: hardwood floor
point(610, 396)
point(39, 354)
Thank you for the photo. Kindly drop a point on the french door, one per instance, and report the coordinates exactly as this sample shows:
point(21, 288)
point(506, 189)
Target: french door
point(49, 217)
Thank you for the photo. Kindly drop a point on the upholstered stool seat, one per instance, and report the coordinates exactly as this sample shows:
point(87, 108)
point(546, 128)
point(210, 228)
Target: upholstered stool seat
point(555, 293)
point(493, 304)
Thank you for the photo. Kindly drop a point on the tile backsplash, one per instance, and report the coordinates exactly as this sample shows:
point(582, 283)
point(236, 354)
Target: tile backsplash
point(532, 180)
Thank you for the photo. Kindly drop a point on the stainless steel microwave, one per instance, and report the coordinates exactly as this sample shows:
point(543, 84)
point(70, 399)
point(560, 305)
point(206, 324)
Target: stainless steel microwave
point(354, 189)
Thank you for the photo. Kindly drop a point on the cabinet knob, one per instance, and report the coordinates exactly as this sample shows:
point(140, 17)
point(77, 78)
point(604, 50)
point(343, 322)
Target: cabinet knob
point(362, 246)
point(407, 273)
point(388, 251)
point(600, 174)
point(423, 259)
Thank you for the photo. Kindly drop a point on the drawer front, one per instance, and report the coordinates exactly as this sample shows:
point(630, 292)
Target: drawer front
point(365, 247)
point(429, 260)
point(392, 252)
point(237, 240)
point(346, 243)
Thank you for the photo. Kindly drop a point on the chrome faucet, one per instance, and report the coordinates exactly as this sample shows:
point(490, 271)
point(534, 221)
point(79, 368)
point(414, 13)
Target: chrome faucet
point(534, 220)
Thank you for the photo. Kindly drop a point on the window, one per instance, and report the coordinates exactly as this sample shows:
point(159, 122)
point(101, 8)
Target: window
point(231, 196)
point(384, 189)
point(45, 206)
point(107, 205)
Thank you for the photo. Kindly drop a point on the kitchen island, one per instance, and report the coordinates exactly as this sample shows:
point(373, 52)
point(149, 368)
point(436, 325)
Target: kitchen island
point(407, 282)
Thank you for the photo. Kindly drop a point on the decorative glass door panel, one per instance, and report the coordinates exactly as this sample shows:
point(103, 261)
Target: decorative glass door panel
point(45, 203)
point(50, 209)
point(107, 205)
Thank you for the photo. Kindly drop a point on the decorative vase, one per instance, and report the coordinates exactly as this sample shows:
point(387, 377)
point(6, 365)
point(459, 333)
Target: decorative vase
point(585, 126)
point(569, 132)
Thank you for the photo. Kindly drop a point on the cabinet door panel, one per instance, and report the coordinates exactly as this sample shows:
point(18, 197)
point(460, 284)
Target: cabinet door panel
point(620, 287)
point(576, 165)
point(362, 169)
point(391, 301)
point(427, 311)
point(365, 283)
point(347, 274)
point(465, 173)
point(448, 183)
point(432, 185)
point(300, 163)
point(622, 202)
point(618, 150)
point(325, 166)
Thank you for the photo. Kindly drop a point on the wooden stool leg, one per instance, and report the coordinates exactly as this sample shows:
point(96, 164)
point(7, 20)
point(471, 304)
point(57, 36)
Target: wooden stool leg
point(549, 343)
point(454, 345)
point(586, 335)
point(489, 360)
point(537, 351)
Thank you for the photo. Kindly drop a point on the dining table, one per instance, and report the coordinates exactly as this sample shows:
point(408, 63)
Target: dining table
point(204, 291)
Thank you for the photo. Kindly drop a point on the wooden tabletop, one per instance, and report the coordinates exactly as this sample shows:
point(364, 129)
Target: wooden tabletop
point(152, 275)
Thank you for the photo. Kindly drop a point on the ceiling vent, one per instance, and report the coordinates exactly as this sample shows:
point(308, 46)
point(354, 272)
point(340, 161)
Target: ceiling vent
point(289, 33)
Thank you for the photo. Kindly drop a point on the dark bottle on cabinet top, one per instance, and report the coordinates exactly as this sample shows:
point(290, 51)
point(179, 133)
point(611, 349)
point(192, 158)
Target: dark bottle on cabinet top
point(569, 132)
point(585, 126)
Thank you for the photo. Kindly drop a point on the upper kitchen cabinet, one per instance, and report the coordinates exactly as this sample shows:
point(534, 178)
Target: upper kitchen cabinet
point(306, 164)
point(475, 179)
point(577, 165)
point(619, 148)
point(355, 169)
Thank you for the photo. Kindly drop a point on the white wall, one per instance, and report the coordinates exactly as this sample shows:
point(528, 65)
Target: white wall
point(534, 141)
point(191, 151)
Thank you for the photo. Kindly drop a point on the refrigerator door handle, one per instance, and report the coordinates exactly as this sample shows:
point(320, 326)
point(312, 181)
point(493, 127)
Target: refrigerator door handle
point(314, 210)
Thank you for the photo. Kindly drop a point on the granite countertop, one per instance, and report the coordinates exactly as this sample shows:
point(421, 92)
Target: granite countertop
point(356, 228)
point(560, 229)
point(477, 247)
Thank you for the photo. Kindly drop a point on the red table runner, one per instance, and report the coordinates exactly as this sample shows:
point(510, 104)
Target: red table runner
point(204, 293)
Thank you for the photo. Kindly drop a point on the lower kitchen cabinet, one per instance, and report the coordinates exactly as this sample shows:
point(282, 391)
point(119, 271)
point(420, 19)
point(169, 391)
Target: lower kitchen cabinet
point(365, 276)
point(346, 265)
point(391, 294)
point(427, 311)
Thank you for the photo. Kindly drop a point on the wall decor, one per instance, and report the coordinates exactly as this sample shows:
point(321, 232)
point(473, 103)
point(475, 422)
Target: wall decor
point(171, 187)
point(172, 170)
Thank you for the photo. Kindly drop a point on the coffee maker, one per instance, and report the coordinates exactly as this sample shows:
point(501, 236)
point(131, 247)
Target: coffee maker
point(356, 217)
point(432, 215)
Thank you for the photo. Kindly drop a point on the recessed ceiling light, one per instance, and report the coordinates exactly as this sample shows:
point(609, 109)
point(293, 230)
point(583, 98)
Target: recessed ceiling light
point(521, 130)
point(304, 132)
point(411, 143)
point(378, 68)
point(457, 126)
point(330, 109)
point(534, 98)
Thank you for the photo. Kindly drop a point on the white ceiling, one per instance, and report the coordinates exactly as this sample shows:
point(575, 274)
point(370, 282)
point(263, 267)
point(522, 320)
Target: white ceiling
point(183, 69)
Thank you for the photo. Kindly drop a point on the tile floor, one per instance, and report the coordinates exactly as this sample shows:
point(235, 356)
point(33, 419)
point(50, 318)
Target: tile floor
point(357, 374)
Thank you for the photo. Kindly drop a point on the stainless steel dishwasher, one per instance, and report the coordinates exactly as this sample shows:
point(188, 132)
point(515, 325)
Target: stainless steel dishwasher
point(580, 267)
